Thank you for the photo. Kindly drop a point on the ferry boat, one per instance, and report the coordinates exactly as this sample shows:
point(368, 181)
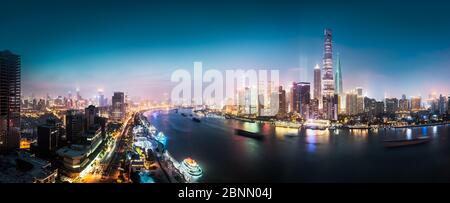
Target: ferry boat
point(406, 142)
point(248, 120)
point(359, 127)
point(317, 124)
point(248, 134)
point(284, 124)
point(191, 167)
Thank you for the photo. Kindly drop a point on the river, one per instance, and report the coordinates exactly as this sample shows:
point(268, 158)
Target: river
point(290, 155)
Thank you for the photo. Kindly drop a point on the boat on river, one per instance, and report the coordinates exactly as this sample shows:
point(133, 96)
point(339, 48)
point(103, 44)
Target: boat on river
point(285, 124)
point(248, 134)
point(191, 167)
point(406, 142)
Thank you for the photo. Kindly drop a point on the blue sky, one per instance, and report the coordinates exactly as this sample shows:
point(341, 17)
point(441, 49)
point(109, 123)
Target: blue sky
point(388, 48)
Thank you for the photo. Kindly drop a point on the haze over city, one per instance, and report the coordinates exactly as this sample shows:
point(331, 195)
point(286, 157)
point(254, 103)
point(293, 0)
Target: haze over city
point(242, 94)
point(139, 45)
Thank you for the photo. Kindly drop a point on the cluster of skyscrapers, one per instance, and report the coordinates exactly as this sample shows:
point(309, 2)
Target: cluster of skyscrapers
point(326, 98)
point(73, 135)
point(297, 101)
point(11, 106)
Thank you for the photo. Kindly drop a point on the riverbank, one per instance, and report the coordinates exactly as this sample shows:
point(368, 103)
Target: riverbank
point(421, 125)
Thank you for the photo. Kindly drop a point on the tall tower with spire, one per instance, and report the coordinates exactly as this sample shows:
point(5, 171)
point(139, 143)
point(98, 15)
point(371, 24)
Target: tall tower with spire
point(330, 99)
point(327, 79)
point(338, 77)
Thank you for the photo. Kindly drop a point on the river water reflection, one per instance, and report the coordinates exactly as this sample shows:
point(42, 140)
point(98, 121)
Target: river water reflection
point(290, 155)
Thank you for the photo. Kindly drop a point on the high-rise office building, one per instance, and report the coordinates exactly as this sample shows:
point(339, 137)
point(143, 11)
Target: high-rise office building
point(48, 138)
point(330, 106)
point(416, 103)
point(317, 83)
point(379, 108)
point(282, 102)
point(391, 105)
point(118, 106)
point(250, 100)
point(441, 105)
point(301, 98)
point(314, 109)
point(240, 100)
point(289, 99)
point(9, 101)
point(434, 105)
point(102, 100)
point(370, 107)
point(90, 113)
point(351, 103)
point(74, 126)
point(403, 104)
point(359, 104)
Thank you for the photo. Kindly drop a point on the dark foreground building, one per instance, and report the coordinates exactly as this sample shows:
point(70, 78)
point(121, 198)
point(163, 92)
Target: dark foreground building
point(9, 101)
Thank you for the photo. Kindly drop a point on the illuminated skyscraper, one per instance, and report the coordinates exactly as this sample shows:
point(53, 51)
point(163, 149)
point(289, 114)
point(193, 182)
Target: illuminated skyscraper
point(118, 106)
point(317, 83)
point(351, 103)
point(338, 84)
point(102, 100)
point(338, 77)
point(330, 106)
point(416, 103)
point(360, 104)
point(327, 79)
point(330, 99)
point(9, 101)
point(314, 109)
point(282, 102)
point(301, 98)
point(403, 104)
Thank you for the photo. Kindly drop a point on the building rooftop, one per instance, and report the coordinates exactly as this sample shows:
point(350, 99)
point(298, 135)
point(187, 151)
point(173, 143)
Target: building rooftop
point(12, 172)
point(73, 151)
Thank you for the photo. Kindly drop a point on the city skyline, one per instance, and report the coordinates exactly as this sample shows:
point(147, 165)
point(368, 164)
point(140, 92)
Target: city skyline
point(283, 92)
point(151, 47)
